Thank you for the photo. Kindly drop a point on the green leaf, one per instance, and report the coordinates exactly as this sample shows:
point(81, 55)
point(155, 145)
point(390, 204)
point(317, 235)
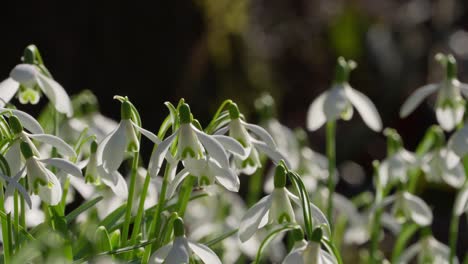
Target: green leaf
point(270, 238)
point(82, 208)
point(111, 220)
point(102, 240)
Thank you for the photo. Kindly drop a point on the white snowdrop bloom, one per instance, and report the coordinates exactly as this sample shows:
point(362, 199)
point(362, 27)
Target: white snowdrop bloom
point(407, 206)
point(461, 201)
point(308, 252)
point(34, 214)
point(254, 139)
point(181, 249)
point(457, 147)
point(395, 168)
point(13, 154)
point(338, 102)
point(98, 125)
point(111, 150)
point(450, 105)
point(427, 250)
point(41, 180)
point(28, 80)
point(12, 184)
point(191, 144)
point(436, 168)
point(208, 172)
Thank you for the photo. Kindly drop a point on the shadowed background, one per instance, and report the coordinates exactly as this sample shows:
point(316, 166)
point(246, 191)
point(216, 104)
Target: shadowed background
point(207, 51)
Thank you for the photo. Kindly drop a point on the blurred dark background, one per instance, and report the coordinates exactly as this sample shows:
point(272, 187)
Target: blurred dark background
point(207, 51)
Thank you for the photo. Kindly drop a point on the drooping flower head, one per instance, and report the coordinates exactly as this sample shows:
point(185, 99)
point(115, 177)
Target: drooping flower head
point(450, 105)
point(30, 79)
point(338, 102)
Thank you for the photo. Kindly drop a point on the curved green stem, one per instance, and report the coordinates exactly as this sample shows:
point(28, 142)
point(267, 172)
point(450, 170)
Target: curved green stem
point(453, 236)
point(131, 191)
point(331, 155)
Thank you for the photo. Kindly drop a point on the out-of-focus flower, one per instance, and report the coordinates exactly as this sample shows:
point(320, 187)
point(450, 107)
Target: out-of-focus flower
point(450, 105)
point(306, 252)
point(427, 250)
point(180, 250)
point(436, 168)
point(395, 167)
point(338, 102)
point(407, 206)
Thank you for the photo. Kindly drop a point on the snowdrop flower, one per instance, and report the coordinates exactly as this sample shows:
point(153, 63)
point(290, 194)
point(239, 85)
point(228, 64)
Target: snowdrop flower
point(457, 147)
point(34, 214)
point(427, 250)
point(436, 168)
point(309, 252)
point(111, 151)
point(180, 250)
point(191, 144)
point(13, 154)
point(461, 201)
point(41, 180)
point(408, 206)
point(12, 184)
point(450, 105)
point(28, 80)
point(253, 139)
point(208, 171)
point(395, 168)
point(338, 102)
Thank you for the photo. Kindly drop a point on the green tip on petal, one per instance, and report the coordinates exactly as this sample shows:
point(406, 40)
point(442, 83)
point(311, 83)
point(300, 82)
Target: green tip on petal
point(297, 234)
point(26, 150)
point(317, 235)
point(184, 114)
point(94, 146)
point(233, 110)
point(280, 176)
point(15, 125)
point(126, 110)
point(179, 229)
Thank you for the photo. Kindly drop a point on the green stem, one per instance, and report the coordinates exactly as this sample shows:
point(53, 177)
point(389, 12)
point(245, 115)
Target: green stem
point(23, 206)
point(184, 195)
point(331, 155)
point(156, 223)
point(131, 191)
point(255, 184)
point(16, 219)
point(407, 231)
point(453, 236)
point(141, 209)
point(5, 237)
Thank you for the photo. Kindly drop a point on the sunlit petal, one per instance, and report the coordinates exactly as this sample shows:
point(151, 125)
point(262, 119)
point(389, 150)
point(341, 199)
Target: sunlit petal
point(204, 253)
point(252, 218)
point(8, 89)
point(56, 94)
point(416, 98)
point(365, 107)
point(316, 115)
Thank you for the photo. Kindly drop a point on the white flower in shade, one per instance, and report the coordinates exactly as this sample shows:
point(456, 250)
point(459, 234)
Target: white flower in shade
point(309, 252)
point(191, 144)
point(34, 214)
point(181, 249)
point(111, 150)
point(13, 154)
point(457, 147)
point(427, 250)
point(461, 201)
point(254, 139)
point(41, 180)
point(407, 206)
point(338, 102)
point(275, 208)
point(29, 80)
point(208, 172)
point(436, 168)
point(450, 105)
point(395, 167)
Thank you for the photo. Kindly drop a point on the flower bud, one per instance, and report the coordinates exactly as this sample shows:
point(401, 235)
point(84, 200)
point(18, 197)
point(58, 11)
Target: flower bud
point(26, 150)
point(15, 125)
point(184, 114)
point(126, 110)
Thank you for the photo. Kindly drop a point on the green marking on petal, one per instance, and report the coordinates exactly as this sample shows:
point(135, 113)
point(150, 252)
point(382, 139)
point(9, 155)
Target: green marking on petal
point(188, 152)
point(29, 95)
point(284, 218)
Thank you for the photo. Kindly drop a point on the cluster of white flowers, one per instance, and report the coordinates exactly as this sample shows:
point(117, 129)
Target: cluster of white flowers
point(186, 205)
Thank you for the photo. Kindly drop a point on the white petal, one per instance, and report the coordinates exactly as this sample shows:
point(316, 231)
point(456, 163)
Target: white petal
point(261, 133)
point(463, 88)
point(52, 194)
point(461, 202)
point(147, 134)
point(113, 151)
point(13, 184)
point(64, 165)
point(160, 254)
point(176, 182)
point(416, 98)
point(419, 212)
point(115, 181)
point(222, 131)
point(232, 145)
point(409, 253)
point(273, 154)
point(56, 94)
point(316, 115)
point(157, 157)
point(214, 148)
point(62, 147)
point(86, 190)
point(336, 102)
point(294, 257)
point(179, 252)
point(204, 253)
point(28, 122)
point(365, 107)
point(13, 157)
point(458, 143)
point(449, 117)
point(252, 218)
point(8, 89)
point(226, 177)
